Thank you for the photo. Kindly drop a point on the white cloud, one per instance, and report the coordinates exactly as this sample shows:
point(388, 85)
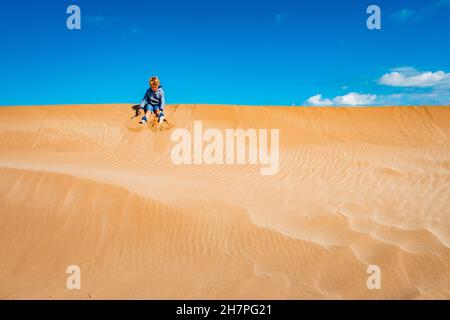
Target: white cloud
point(355, 99)
point(406, 14)
point(350, 99)
point(415, 99)
point(403, 14)
point(415, 88)
point(410, 77)
point(318, 101)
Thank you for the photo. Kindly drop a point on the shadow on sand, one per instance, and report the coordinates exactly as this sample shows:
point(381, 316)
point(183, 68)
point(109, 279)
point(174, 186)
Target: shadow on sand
point(137, 111)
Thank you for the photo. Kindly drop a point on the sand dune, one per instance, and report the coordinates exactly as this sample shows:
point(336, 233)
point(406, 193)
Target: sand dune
point(83, 185)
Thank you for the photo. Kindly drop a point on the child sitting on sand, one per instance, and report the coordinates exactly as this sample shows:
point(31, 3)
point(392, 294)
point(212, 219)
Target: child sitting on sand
point(153, 101)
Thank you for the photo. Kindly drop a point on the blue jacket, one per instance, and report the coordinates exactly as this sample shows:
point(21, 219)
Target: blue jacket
point(154, 98)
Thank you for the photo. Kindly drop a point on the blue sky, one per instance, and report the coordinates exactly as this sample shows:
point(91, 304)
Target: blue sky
point(265, 52)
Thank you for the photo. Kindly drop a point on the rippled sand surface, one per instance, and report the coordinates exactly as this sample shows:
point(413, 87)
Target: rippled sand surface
point(83, 185)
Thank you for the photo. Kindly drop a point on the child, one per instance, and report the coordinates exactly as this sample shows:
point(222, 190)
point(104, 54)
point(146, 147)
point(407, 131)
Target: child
point(153, 101)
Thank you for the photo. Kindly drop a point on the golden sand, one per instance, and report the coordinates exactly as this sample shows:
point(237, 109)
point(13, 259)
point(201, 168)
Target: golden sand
point(83, 185)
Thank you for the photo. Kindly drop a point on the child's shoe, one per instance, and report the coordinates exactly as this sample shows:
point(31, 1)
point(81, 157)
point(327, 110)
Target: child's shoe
point(143, 120)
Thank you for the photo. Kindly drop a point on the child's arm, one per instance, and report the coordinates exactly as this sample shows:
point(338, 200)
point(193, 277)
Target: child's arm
point(163, 101)
point(144, 101)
